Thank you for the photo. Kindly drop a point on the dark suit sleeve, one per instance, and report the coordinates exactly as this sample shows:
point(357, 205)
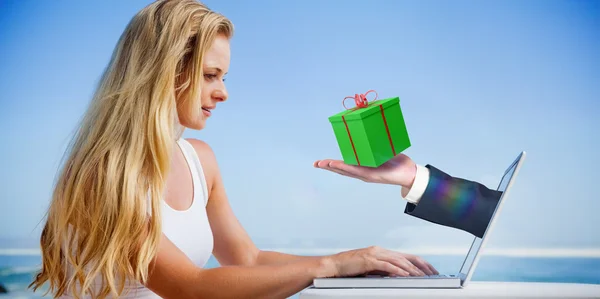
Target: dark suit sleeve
point(455, 202)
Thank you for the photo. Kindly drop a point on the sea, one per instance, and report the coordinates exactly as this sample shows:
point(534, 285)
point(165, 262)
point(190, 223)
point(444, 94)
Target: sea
point(17, 271)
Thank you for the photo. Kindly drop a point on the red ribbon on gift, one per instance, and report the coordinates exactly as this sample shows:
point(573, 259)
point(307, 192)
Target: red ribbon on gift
point(361, 102)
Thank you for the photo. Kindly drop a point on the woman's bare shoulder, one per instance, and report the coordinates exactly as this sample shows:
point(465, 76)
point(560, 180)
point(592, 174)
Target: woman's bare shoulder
point(207, 159)
point(204, 151)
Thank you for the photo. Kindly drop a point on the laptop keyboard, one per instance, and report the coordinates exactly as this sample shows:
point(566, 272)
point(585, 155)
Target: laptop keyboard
point(425, 276)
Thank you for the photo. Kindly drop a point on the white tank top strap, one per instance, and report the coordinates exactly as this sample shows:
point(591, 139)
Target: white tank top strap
point(197, 171)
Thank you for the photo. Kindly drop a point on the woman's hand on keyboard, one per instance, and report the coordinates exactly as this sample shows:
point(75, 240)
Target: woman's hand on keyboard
point(377, 259)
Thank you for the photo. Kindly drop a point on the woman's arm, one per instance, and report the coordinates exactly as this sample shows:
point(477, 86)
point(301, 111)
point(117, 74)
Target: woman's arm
point(173, 275)
point(273, 258)
point(233, 246)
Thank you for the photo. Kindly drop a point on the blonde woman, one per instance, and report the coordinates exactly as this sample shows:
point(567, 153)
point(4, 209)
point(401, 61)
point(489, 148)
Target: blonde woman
point(137, 210)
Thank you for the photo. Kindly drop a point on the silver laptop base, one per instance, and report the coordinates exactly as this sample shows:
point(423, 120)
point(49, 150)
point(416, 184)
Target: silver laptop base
point(411, 282)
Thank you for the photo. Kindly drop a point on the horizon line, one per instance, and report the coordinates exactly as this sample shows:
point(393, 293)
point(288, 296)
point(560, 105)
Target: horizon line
point(453, 251)
point(446, 251)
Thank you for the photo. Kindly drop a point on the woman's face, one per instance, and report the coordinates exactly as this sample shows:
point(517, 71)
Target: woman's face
point(213, 91)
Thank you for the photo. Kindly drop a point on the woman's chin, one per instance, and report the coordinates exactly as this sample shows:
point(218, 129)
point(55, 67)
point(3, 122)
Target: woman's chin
point(198, 124)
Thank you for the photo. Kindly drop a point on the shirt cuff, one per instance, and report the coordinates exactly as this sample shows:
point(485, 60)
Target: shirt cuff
point(419, 185)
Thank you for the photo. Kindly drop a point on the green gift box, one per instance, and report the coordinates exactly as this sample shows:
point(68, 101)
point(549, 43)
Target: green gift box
point(372, 135)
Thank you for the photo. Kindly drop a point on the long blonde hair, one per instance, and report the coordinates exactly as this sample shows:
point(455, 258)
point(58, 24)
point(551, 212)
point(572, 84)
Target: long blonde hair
point(98, 223)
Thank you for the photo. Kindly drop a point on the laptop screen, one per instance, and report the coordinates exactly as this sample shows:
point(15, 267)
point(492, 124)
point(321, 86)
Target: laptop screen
point(477, 242)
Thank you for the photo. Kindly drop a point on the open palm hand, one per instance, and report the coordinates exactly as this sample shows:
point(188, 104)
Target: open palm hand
point(399, 170)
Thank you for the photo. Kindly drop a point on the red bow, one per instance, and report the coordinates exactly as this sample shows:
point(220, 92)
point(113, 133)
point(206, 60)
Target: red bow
point(360, 99)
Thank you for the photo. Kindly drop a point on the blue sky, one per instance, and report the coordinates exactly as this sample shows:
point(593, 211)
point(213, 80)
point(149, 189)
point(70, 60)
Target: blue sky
point(478, 83)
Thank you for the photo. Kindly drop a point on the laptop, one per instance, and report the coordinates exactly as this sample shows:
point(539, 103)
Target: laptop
point(459, 280)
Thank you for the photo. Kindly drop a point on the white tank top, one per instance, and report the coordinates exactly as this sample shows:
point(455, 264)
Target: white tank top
point(189, 230)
